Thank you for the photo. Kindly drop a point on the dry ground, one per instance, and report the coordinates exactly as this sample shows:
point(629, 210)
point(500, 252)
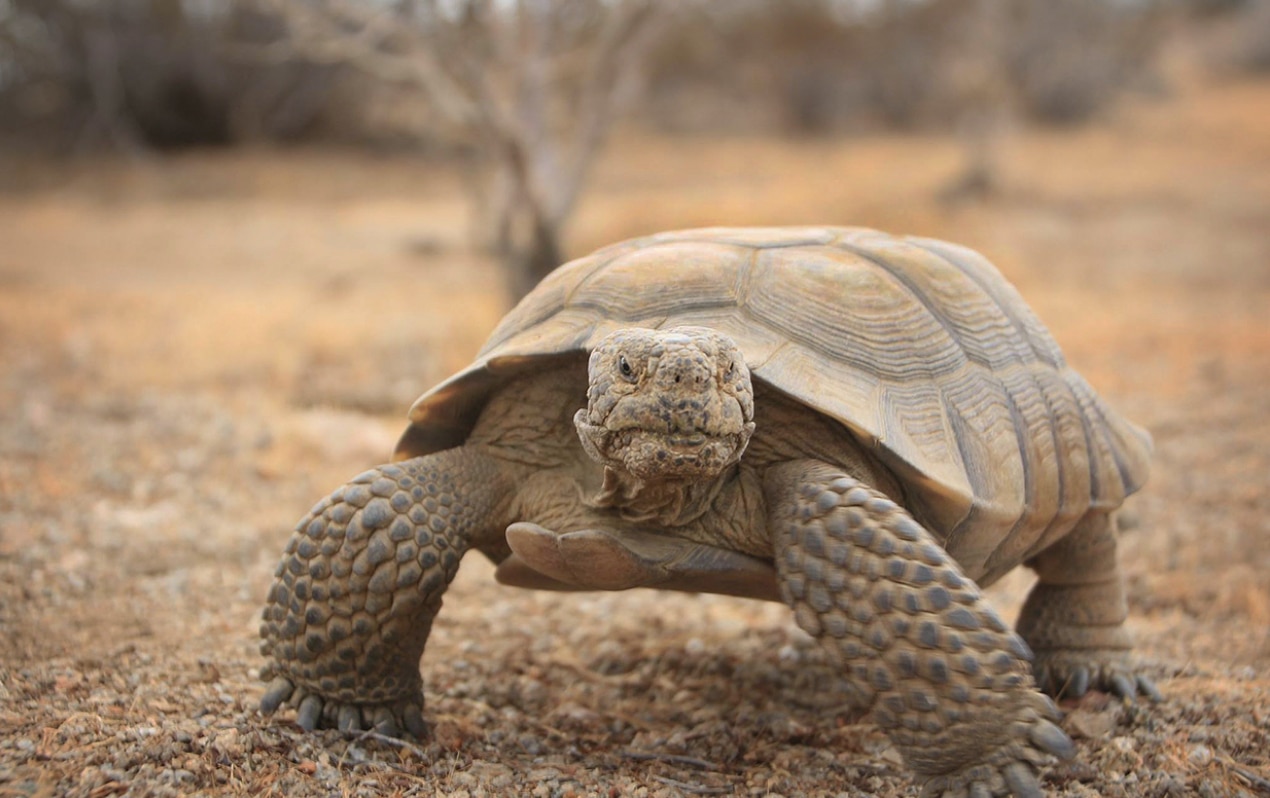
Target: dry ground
point(192, 352)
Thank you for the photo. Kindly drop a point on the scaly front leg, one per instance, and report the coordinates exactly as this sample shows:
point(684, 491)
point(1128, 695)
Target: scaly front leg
point(945, 678)
point(361, 581)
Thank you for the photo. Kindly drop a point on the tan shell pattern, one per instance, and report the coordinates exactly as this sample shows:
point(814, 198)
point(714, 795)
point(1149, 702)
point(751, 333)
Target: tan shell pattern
point(919, 347)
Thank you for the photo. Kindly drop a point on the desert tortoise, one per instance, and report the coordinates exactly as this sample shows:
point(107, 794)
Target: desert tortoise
point(860, 425)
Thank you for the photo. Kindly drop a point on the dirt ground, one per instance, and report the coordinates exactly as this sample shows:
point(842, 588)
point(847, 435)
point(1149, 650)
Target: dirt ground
point(193, 351)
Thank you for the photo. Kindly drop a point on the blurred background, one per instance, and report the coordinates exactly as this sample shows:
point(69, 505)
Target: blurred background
point(516, 102)
point(239, 237)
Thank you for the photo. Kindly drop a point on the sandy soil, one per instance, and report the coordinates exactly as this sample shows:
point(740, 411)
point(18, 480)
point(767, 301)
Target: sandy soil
point(192, 352)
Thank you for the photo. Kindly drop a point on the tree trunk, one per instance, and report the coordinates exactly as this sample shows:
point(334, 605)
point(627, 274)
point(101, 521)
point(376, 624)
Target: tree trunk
point(536, 259)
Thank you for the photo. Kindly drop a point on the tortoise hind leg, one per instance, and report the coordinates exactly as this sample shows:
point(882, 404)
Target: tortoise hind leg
point(946, 680)
point(1074, 617)
point(360, 582)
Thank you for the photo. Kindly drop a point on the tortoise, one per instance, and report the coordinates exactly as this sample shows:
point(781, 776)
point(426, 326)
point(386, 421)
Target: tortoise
point(868, 428)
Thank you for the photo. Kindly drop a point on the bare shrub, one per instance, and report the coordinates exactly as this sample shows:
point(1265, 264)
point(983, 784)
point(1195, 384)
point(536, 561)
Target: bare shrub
point(1071, 59)
point(1235, 35)
point(754, 65)
point(1254, 47)
point(138, 74)
point(814, 65)
point(531, 87)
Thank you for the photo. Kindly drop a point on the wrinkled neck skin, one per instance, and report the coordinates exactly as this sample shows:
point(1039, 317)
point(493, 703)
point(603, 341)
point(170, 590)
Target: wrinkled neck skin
point(666, 502)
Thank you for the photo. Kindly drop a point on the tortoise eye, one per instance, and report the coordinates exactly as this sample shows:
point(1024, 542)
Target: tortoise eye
point(624, 366)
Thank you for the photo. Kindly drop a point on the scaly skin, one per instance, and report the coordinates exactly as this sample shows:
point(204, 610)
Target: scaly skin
point(360, 582)
point(947, 680)
point(1074, 617)
point(670, 497)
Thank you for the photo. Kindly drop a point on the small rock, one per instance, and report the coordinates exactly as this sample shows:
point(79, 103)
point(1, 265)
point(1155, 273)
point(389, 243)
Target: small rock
point(208, 673)
point(543, 790)
point(892, 755)
point(1090, 725)
point(175, 776)
point(575, 715)
point(493, 774)
point(227, 743)
point(1200, 755)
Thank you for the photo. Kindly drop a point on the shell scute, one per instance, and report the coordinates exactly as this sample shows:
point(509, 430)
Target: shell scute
point(918, 347)
point(826, 300)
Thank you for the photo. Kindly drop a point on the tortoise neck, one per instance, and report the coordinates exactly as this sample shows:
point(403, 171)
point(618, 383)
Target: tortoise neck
point(667, 502)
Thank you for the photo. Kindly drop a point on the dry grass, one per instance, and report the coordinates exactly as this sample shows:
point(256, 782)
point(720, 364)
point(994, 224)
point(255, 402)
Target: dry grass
point(191, 353)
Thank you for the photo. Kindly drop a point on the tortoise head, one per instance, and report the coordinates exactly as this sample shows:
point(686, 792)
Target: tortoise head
point(667, 404)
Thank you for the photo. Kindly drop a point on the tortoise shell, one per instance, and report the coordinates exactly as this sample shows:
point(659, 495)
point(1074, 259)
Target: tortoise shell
point(918, 347)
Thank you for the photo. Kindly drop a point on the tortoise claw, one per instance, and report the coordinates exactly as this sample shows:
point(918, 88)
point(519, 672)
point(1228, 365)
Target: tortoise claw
point(1022, 781)
point(1011, 769)
point(309, 713)
point(279, 690)
point(1077, 684)
point(313, 711)
point(384, 723)
point(349, 718)
point(1071, 674)
point(412, 715)
point(1148, 688)
point(1123, 687)
point(1052, 740)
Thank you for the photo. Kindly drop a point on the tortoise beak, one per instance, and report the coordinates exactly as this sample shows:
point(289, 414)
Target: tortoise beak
point(651, 455)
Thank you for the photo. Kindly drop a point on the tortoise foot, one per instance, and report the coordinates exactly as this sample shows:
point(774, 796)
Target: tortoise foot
point(1071, 674)
point(1074, 618)
point(950, 684)
point(1011, 769)
point(315, 711)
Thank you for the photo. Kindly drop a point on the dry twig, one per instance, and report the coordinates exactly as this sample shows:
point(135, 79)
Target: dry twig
point(695, 789)
point(675, 759)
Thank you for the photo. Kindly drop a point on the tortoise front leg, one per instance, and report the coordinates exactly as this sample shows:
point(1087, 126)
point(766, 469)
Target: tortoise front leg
point(360, 583)
point(1074, 617)
point(943, 676)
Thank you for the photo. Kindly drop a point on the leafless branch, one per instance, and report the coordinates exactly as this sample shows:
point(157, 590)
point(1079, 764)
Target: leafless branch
point(536, 85)
point(356, 36)
point(612, 70)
